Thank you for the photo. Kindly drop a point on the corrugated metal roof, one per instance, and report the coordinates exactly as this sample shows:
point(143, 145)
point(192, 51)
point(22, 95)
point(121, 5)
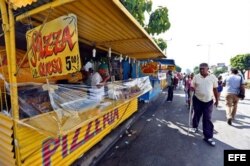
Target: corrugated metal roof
point(6, 141)
point(104, 23)
point(21, 3)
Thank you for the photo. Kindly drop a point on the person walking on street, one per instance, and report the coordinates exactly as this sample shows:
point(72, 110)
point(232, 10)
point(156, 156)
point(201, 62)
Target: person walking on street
point(170, 81)
point(232, 84)
point(220, 86)
point(188, 89)
point(205, 86)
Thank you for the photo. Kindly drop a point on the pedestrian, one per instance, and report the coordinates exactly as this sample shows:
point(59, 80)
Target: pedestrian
point(176, 80)
point(188, 88)
point(205, 86)
point(232, 84)
point(220, 86)
point(170, 81)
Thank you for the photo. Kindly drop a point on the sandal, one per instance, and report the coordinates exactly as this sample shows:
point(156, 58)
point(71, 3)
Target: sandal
point(210, 141)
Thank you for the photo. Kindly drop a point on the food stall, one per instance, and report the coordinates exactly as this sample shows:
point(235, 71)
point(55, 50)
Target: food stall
point(165, 66)
point(151, 69)
point(46, 123)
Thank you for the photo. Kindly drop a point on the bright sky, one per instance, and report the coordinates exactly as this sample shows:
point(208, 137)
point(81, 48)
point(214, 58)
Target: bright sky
point(206, 22)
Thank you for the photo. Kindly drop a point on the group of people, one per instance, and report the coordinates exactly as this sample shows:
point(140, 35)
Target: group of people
point(205, 90)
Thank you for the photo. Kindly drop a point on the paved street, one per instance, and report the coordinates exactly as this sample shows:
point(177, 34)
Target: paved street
point(159, 137)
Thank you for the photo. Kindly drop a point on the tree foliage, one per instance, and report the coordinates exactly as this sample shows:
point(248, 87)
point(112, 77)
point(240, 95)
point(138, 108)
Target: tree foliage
point(178, 68)
point(161, 43)
point(219, 71)
point(137, 8)
point(196, 70)
point(158, 19)
point(241, 62)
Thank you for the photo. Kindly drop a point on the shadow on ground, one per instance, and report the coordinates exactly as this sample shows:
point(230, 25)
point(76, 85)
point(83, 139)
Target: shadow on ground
point(160, 138)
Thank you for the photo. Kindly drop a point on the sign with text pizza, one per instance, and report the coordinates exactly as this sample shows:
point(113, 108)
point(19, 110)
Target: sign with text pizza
point(53, 49)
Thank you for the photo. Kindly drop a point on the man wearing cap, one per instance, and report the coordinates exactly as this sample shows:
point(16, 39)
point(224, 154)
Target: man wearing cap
point(205, 86)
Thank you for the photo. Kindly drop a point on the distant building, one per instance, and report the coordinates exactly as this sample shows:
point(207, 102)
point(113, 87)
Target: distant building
point(221, 64)
point(247, 75)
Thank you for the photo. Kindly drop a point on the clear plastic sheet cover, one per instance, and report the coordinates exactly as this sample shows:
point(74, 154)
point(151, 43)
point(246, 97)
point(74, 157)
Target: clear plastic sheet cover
point(56, 109)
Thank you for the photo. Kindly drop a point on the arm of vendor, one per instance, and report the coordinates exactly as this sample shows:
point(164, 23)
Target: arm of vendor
point(100, 77)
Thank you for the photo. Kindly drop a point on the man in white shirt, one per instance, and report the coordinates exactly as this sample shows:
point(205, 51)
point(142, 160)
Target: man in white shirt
point(205, 86)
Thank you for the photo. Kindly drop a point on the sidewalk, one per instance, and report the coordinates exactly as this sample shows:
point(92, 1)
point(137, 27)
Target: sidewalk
point(159, 137)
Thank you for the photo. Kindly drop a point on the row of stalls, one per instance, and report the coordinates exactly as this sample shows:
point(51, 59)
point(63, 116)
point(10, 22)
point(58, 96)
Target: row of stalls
point(51, 112)
point(157, 71)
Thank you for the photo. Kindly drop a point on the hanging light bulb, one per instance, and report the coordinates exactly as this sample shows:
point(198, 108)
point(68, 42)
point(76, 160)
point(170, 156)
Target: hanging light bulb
point(109, 52)
point(94, 52)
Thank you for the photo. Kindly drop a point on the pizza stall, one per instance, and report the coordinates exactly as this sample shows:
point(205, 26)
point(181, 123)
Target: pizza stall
point(45, 122)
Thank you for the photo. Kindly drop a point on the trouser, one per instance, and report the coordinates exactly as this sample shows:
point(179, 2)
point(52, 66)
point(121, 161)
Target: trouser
point(231, 105)
point(205, 109)
point(170, 93)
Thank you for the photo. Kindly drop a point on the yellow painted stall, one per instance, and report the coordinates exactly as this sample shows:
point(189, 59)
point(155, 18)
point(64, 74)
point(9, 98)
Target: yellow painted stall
point(46, 138)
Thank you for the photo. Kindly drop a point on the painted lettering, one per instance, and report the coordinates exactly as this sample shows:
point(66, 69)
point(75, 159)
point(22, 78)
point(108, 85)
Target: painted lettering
point(75, 144)
point(67, 37)
point(50, 146)
point(51, 67)
point(88, 134)
point(116, 113)
point(48, 151)
point(97, 126)
point(105, 120)
point(53, 43)
point(64, 146)
point(48, 49)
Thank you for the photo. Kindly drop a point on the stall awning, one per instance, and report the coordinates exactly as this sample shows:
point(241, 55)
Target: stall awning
point(103, 23)
point(169, 62)
point(21, 3)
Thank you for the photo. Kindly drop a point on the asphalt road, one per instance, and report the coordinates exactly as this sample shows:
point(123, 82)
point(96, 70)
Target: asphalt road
point(159, 137)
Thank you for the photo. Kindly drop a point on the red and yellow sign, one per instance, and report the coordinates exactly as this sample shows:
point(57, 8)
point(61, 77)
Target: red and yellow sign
point(68, 144)
point(54, 48)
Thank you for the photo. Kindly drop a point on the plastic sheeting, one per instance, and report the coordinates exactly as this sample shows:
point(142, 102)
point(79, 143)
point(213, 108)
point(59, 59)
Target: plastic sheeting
point(56, 109)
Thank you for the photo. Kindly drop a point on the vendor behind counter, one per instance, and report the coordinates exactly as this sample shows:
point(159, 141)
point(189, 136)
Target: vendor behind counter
point(97, 80)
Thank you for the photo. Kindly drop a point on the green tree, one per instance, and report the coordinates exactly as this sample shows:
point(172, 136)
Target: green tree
point(219, 71)
point(178, 68)
point(161, 43)
point(196, 70)
point(158, 19)
point(241, 62)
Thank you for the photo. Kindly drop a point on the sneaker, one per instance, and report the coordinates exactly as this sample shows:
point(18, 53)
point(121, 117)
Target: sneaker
point(229, 122)
point(210, 141)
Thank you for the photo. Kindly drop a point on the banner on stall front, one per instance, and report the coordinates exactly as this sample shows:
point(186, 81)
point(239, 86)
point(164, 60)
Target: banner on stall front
point(53, 49)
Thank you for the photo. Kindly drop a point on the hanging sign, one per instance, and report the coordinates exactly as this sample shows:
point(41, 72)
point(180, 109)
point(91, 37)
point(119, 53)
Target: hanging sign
point(172, 68)
point(54, 48)
point(149, 68)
